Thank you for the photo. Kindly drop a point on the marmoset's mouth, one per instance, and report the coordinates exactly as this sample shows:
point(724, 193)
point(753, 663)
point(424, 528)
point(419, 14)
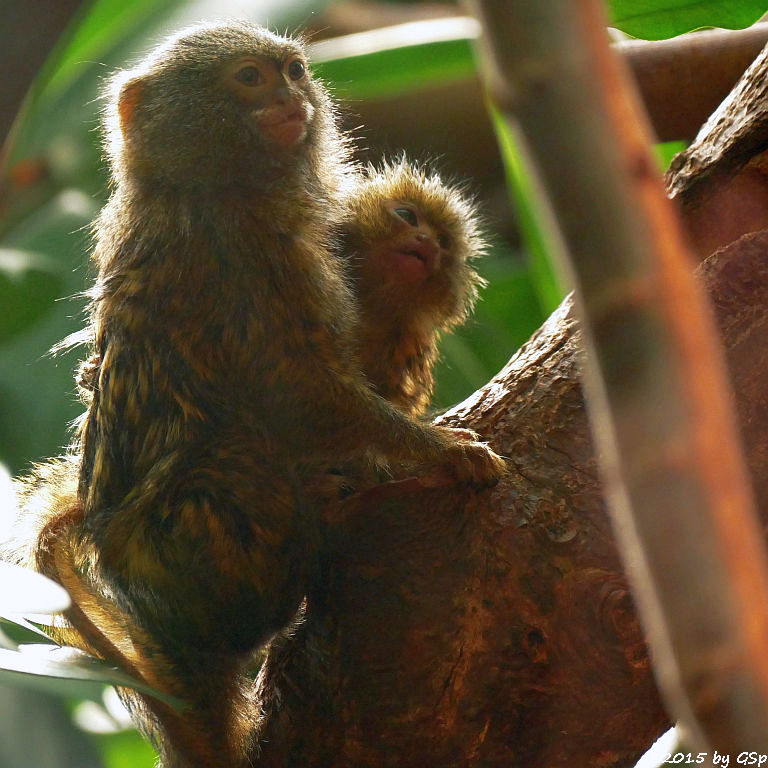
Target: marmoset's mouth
point(424, 251)
point(287, 126)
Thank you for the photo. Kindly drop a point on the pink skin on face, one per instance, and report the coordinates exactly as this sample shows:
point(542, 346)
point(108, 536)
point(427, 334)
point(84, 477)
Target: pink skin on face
point(286, 124)
point(413, 253)
point(276, 90)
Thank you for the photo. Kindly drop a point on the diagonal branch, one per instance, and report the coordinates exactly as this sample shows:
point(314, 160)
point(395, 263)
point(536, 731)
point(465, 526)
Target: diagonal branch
point(658, 401)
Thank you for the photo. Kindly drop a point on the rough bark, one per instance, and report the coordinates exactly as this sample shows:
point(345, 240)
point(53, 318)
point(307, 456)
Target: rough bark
point(465, 628)
point(720, 181)
point(737, 277)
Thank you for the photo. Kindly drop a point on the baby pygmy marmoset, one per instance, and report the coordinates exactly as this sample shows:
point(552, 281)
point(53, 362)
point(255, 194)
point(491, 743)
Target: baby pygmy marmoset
point(409, 238)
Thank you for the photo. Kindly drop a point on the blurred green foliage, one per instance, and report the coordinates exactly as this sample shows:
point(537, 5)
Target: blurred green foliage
point(44, 234)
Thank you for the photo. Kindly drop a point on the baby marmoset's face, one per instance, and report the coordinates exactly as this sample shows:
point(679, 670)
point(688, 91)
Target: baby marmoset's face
point(410, 238)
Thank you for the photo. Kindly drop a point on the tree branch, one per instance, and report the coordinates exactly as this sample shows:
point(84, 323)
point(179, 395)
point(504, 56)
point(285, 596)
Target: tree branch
point(462, 628)
point(720, 182)
point(658, 400)
point(682, 81)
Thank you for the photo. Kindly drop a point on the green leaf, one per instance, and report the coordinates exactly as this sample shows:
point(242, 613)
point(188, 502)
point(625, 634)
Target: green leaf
point(36, 389)
point(19, 631)
point(67, 671)
point(126, 750)
point(538, 230)
point(665, 151)
point(396, 59)
point(106, 22)
point(23, 591)
point(29, 282)
point(660, 19)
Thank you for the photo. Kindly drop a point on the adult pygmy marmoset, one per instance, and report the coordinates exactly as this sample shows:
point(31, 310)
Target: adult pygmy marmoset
point(225, 335)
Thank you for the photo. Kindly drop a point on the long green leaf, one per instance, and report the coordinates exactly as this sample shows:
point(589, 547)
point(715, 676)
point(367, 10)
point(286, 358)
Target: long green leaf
point(539, 234)
point(396, 59)
point(106, 22)
point(17, 631)
point(660, 19)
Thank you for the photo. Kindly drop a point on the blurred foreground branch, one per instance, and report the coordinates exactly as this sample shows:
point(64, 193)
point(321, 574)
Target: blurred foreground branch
point(658, 399)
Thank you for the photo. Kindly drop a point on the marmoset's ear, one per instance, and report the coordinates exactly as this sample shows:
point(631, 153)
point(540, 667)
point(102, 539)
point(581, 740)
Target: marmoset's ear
point(129, 98)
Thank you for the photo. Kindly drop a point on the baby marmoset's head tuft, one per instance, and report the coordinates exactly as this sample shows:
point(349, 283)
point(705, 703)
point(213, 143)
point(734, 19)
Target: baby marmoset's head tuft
point(411, 238)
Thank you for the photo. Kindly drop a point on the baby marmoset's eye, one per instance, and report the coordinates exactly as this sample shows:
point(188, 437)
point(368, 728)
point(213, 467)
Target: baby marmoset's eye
point(407, 215)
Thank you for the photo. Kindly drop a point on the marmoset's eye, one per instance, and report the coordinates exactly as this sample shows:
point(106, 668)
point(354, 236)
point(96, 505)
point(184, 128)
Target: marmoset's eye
point(248, 75)
point(296, 69)
point(407, 215)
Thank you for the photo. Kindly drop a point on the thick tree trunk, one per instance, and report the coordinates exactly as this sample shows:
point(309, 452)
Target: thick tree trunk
point(495, 628)
point(464, 628)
